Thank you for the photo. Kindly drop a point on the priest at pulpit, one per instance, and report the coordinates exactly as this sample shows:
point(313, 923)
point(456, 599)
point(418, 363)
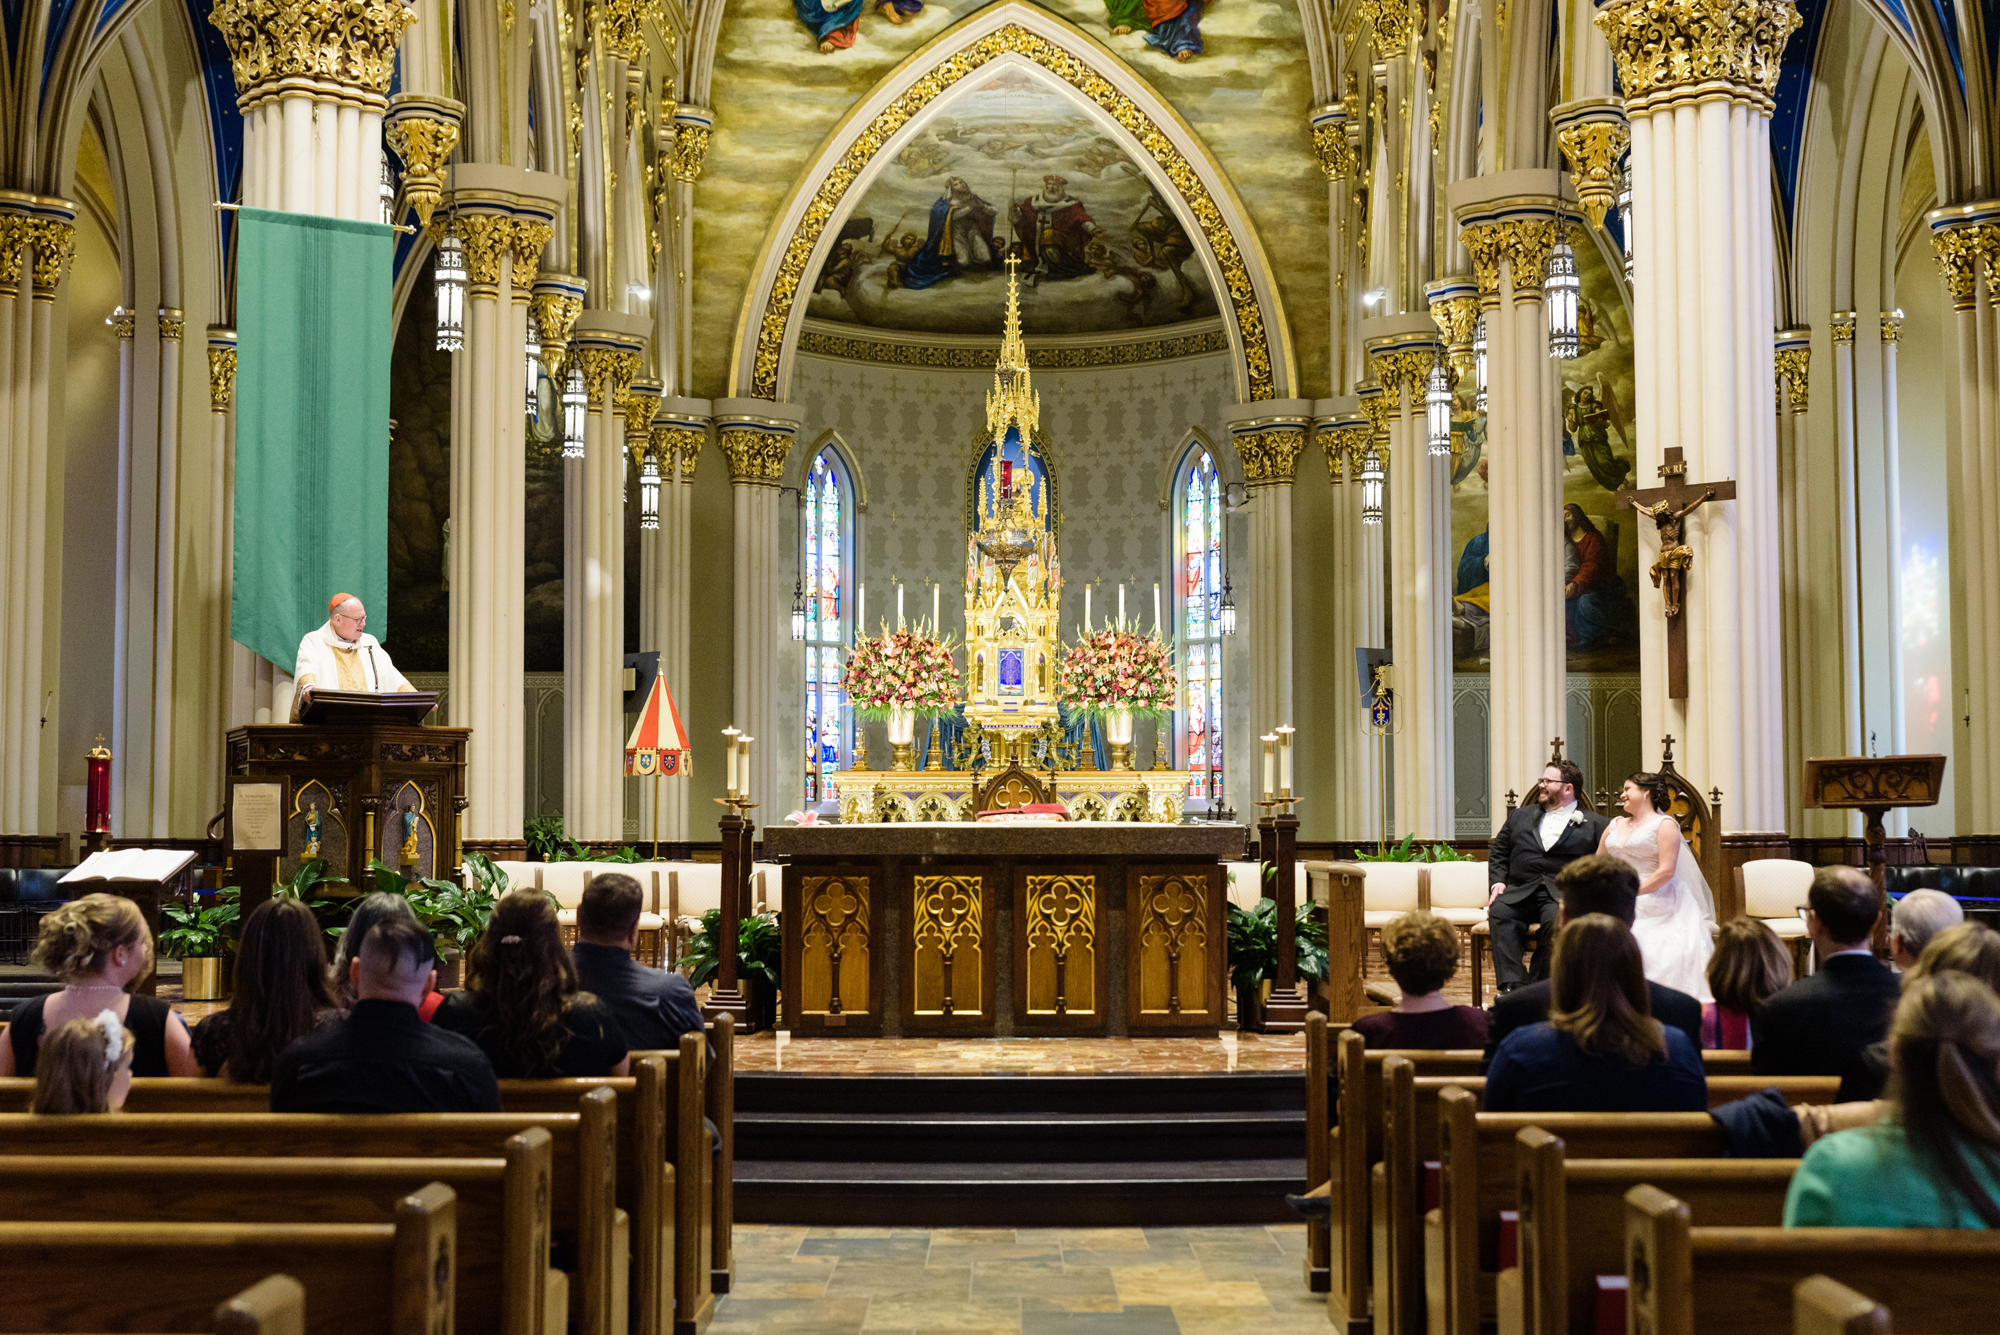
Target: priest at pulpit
point(342, 656)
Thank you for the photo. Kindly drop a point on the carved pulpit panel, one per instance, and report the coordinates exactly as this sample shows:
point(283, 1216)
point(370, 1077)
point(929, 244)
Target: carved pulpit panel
point(948, 946)
point(834, 945)
point(1173, 943)
point(1062, 946)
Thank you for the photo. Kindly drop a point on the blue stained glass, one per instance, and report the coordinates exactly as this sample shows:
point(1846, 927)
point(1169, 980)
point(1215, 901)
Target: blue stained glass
point(1201, 598)
point(823, 538)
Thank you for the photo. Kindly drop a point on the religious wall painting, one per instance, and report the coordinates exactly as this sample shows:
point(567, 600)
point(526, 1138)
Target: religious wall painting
point(1013, 166)
point(1601, 569)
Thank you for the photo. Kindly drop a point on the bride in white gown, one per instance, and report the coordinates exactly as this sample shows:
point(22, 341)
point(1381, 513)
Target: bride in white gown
point(1675, 908)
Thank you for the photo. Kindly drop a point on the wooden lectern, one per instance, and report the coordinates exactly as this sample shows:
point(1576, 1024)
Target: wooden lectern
point(1873, 785)
point(368, 780)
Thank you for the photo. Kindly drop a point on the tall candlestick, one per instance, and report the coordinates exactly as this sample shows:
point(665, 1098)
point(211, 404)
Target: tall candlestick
point(745, 774)
point(1156, 607)
point(1285, 760)
point(1121, 605)
point(1270, 740)
point(730, 734)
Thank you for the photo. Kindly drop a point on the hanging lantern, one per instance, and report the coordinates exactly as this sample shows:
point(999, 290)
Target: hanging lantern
point(1479, 363)
point(534, 365)
point(1625, 218)
point(388, 192)
point(1560, 293)
point(1437, 411)
point(450, 293)
point(1225, 612)
point(1371, 486)
point(575, 406)
point(798, 610)
point(649, 494)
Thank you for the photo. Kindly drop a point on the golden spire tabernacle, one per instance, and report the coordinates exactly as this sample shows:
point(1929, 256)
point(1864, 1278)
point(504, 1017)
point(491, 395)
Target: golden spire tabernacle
point(1013, 398)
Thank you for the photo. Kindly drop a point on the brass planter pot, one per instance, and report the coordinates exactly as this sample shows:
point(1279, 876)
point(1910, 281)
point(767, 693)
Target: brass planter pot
point(201, 979)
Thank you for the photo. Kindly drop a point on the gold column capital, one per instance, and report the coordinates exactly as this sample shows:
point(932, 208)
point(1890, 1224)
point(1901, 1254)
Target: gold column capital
point(1400, 371)
point(684, 441)
point(221, 378)
point(690, 149)
point(1966, 255)
point(1892, 326)
point(348, 43)
point(607, 376)
point(486, 237)
point(1794, 375)
point(527, 238)
point(1378, 408)
point(173, 324)
point(1593, 148)
point(123, 323)
point(623, 26)
point(54, 242)
point(425, 144)
point(1457, 317)
point(1843, 327)
point(1270, 455)
point(555, 313)
point(1393, 23)
point(1524, 243)
point(1330, 146)
point(1669, 51)
point(756, 457)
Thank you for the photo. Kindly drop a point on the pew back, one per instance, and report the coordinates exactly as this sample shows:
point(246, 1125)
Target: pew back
point(1821, 1306)
point(274, 1305)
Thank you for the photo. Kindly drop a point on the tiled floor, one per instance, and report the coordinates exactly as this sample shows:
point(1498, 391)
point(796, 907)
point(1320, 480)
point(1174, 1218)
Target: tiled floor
point(1028, 1281)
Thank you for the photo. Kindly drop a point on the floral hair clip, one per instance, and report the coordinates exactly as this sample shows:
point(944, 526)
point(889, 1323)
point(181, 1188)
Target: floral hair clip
point(510, 940)
point(114, 1036)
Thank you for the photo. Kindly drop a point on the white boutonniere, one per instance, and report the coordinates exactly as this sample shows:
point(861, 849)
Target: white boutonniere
point(1575, 818)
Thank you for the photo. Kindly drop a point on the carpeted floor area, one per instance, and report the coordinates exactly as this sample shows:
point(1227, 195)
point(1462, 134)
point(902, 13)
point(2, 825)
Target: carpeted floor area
point(1004, 1281)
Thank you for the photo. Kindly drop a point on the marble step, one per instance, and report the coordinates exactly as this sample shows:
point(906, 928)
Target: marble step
point(769, 1091)
point(1017, 1138)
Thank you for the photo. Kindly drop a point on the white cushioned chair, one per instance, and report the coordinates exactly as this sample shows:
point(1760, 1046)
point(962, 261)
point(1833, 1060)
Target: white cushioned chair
point(1774, 890)
point(1390, 890)
point(566, 882)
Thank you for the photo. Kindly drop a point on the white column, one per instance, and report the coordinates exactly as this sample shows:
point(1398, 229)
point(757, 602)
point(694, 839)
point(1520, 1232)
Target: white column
point(1703, 312)
point(1891, 502)
point(755, 436)
point(1353, 561)
point(1792, 358)
point(610, 346)
point(1967, 240)
point(125, 703)
point(166, 582)
point(1269, 436)
point(1402, 350)
point(1850, 534)
point(1511, 221)
point(680, 427)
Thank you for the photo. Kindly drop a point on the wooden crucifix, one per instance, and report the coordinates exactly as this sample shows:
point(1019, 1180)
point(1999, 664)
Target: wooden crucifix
point(1669, 505)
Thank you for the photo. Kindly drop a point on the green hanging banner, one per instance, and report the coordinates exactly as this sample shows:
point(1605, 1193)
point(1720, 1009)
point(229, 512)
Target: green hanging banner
point(313, 337)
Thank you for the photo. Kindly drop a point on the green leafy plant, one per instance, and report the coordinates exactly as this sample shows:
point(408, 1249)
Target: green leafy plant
point(1409, 850)
point(624, 854)
point(548, 843)
point(759, 949)
point(1252, 936)
point(488, 874)
point(197, 932)
point(451, 912)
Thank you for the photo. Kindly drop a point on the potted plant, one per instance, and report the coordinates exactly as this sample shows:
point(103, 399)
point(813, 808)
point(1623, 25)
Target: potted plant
point(199, 939)
point(1252, 936)
point(759, 956)
point(455, 914)
point(1114, 675)
point(902, 676)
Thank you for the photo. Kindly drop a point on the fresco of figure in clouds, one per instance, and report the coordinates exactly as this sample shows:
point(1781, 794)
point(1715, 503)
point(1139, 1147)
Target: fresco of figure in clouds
point(836, 24)
point(958, 240)
point(1055, 230)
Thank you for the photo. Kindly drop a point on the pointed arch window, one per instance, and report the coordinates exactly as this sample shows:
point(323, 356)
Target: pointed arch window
point(1198, 617)
point(827, 537)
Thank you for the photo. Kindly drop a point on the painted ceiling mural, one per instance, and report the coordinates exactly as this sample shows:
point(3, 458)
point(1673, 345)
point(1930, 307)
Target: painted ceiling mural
point(1013, 166)
point(1234, 70)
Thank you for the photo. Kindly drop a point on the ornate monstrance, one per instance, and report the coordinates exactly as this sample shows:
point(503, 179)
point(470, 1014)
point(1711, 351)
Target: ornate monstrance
point(1013, 578)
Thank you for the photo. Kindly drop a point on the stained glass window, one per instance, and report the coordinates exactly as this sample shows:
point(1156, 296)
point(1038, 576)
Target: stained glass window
point(1200, 545)
point(826, 546)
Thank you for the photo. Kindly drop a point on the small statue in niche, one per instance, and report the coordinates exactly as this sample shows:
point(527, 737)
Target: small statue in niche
point(312, 831)
point(409, 851)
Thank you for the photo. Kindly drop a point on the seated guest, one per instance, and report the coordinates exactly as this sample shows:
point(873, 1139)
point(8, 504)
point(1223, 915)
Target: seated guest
point(1421, 950)
point(1915, 919)
point(654, 1006)
point(383, 1058)
point(281, 994)
point(366, 914)
point(1593, 884)
point(100, 947)
point(1600, 1050)
point(85, 1066)
point(1824, 1025)
point(523, 1007)
point(1749, 965)
point(1934, 1161)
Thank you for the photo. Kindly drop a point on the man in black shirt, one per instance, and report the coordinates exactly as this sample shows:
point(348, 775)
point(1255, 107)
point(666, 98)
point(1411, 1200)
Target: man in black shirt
point(654, 1006)
point(383, 1058)
point(1825, 1024)
point(1592, 884)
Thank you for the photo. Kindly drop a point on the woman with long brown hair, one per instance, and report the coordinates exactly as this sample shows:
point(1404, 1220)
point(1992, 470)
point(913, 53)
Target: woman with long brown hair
point(1749, 965)
point(1600, 1050)
point(522, 1005)
point(1934, 1160)
point(281, 994)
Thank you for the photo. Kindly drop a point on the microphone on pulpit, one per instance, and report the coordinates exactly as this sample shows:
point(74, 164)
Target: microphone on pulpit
point(374, 671)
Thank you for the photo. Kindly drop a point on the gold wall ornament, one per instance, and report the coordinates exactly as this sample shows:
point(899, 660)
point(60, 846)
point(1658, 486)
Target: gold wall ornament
point(221, 378)
point(1843, 327)
point(1524, 243)
point(1671, 50)
point(1393, 24)
point(756, 458)
point(1892, 326)
point(425, 146)
point(1794, 375)
point(1330, 147)
point(690, 150)
point(173, 324)
point(819, 343)
point(1270, 457)
point(123, 323)
point(1593, 149)
point(345, 42)
point(555, 316)
point(1016, 40)
point(622, 23)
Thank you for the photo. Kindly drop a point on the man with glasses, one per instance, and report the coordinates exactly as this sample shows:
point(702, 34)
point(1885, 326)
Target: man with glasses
point(343, 656)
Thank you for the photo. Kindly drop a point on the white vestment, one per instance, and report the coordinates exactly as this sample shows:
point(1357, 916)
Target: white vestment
point(330, 663)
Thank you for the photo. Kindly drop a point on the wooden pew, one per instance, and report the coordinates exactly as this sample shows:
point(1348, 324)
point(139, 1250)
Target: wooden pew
point(275, 1305)
point(721, 1108)
point(359, 1279)
point(502, 1212)
point(1822, 1306)
point(1734, 1281)
point(1572, 1225)
point(584, 1143)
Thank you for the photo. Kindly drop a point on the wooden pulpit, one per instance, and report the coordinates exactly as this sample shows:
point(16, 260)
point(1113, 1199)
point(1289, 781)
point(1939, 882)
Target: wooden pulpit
point(367, 780)
point(1874, 785)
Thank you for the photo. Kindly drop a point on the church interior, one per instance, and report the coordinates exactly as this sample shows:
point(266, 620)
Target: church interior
point(577, 753)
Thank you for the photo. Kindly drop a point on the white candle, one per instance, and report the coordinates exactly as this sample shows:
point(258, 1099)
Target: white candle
point(1086, 609)
point(934, 607)
point(1121, 605)
point(1285, 760)
point(1270, 741)
point(743, 767)
point(861, 614)
point(1156, 607)
point(899, 606)
point(730, 734)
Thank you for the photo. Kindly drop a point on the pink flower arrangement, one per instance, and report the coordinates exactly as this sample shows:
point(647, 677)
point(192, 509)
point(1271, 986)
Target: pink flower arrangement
point(1119, 669)
point(902, 669)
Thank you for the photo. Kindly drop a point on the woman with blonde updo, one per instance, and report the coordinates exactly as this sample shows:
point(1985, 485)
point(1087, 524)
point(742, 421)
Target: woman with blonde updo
point(1934, 1160)
point(85, 1067)
point(100, 948)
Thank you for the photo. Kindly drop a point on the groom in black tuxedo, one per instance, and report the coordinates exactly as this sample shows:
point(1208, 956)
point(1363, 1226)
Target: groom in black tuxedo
point(1538, 840)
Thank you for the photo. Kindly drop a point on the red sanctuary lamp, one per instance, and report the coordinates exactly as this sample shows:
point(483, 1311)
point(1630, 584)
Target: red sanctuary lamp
point(1006, 481)
point(97, 789)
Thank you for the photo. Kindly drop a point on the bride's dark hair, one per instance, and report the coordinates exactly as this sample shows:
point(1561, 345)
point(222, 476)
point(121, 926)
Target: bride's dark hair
point(1653, 786)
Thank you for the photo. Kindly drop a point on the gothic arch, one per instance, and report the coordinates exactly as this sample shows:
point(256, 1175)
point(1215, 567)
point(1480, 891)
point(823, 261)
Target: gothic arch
point(850, 460)
point(1168, 476)
point(1015, 34)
